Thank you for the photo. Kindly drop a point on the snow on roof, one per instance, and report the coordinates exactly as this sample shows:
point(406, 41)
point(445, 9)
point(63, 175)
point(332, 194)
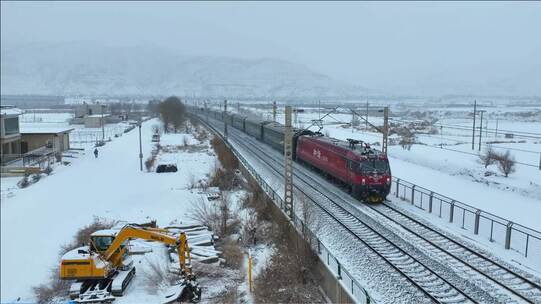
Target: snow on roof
point(105, 232)
point(10, 111)
point(98, 115)
point(44, 130)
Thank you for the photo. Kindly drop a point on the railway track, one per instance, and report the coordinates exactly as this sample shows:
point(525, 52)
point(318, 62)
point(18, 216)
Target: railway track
point(518, 285)
point(468, 259)
point(424, 277)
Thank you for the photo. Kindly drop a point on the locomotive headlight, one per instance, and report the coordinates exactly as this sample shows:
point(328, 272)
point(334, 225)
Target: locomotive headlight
point(363, 181)
point(388, 181)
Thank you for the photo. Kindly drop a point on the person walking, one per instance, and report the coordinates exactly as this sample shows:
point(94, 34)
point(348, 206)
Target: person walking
point(96, 152)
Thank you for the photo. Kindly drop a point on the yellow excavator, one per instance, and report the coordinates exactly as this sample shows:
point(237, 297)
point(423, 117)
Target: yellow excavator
point(103, 269)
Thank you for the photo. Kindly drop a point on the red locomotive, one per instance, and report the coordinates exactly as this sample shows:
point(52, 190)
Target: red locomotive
point(365, 171)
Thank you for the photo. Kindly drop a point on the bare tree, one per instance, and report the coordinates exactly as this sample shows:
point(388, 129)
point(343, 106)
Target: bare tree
point(173, 113)
point(407, 139)
point(489, 157)
point(506, 163)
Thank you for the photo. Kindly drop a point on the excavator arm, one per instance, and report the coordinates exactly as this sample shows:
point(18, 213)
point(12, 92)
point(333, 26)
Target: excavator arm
point(157, 235)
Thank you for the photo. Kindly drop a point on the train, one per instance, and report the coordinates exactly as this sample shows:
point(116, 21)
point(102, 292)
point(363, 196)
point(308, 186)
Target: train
point(361, 169)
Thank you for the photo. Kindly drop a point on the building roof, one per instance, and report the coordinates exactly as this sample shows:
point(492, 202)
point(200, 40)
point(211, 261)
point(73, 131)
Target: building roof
point(44, 130)
point(97, 115)
point(10, 111)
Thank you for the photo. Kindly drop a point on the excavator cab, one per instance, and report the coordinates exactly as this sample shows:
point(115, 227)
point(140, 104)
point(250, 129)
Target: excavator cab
point(101, 242)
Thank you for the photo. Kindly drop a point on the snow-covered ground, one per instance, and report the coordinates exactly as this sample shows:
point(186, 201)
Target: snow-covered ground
point(38, 220)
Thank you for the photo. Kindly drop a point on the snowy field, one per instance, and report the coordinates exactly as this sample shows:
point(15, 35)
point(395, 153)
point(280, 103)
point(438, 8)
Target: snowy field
point(47, 214)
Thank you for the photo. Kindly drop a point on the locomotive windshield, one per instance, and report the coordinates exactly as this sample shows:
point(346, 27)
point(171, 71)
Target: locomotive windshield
point(372, 165)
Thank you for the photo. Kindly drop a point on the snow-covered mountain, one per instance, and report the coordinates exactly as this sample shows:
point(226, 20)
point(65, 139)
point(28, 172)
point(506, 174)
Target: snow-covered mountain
point(74, 69)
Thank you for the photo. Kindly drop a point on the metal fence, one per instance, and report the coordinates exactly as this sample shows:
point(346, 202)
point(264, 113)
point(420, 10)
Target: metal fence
point(348, 282)
point(496, 229)
point(31, 158)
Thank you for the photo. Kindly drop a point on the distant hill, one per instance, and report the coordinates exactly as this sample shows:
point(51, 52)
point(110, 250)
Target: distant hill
point(62, 69)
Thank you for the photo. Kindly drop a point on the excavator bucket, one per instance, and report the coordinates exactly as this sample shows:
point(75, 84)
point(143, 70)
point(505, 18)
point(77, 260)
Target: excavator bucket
point(186, 291)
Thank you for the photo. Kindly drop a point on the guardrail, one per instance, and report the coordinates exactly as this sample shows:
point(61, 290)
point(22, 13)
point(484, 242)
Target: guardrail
point(348, 282)
point(496, 229)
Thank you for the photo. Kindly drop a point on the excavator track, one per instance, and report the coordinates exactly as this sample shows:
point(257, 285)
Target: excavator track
point(103, 291)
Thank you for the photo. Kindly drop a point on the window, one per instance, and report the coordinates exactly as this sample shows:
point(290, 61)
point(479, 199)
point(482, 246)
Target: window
point(102, 242)
point(372, 165)
point(11, 125)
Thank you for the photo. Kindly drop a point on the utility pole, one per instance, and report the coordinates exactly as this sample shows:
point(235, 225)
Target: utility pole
point(288, 164)
point(102, 125)
point(496, 134)
point(225, 119)
point(366, 120)
point(385, 129)
point(481, 128)
point(238, 107)
point(140, 148)
point(274, 111)
point(473, 129)
point(441, 136)
point(206, 111)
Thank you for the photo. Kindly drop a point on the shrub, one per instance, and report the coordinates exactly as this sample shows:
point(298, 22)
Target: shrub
point(489, 157)
point(232, 254)
point(227, 159)
point(55, 288)
point(149, 163)
point(407, 139)
point(506, 163)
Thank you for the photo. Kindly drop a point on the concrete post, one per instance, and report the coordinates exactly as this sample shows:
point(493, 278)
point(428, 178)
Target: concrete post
point(413, 195)
point(508, 235)
point(451, 211)
point(477, 218)
point(430, 202)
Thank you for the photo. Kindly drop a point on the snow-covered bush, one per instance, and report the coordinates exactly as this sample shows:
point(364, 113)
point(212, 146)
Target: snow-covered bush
point(506, 163)
point(489, 157)
point(149, 163)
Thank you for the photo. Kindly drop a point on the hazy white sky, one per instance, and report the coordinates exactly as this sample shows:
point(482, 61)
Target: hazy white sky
point(377, 45)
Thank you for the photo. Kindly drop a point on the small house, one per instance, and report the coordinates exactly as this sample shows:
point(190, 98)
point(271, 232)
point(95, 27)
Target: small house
point(56, 139)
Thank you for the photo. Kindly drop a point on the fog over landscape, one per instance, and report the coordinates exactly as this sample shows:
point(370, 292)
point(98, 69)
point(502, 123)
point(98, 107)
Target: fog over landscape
point(271, 49)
